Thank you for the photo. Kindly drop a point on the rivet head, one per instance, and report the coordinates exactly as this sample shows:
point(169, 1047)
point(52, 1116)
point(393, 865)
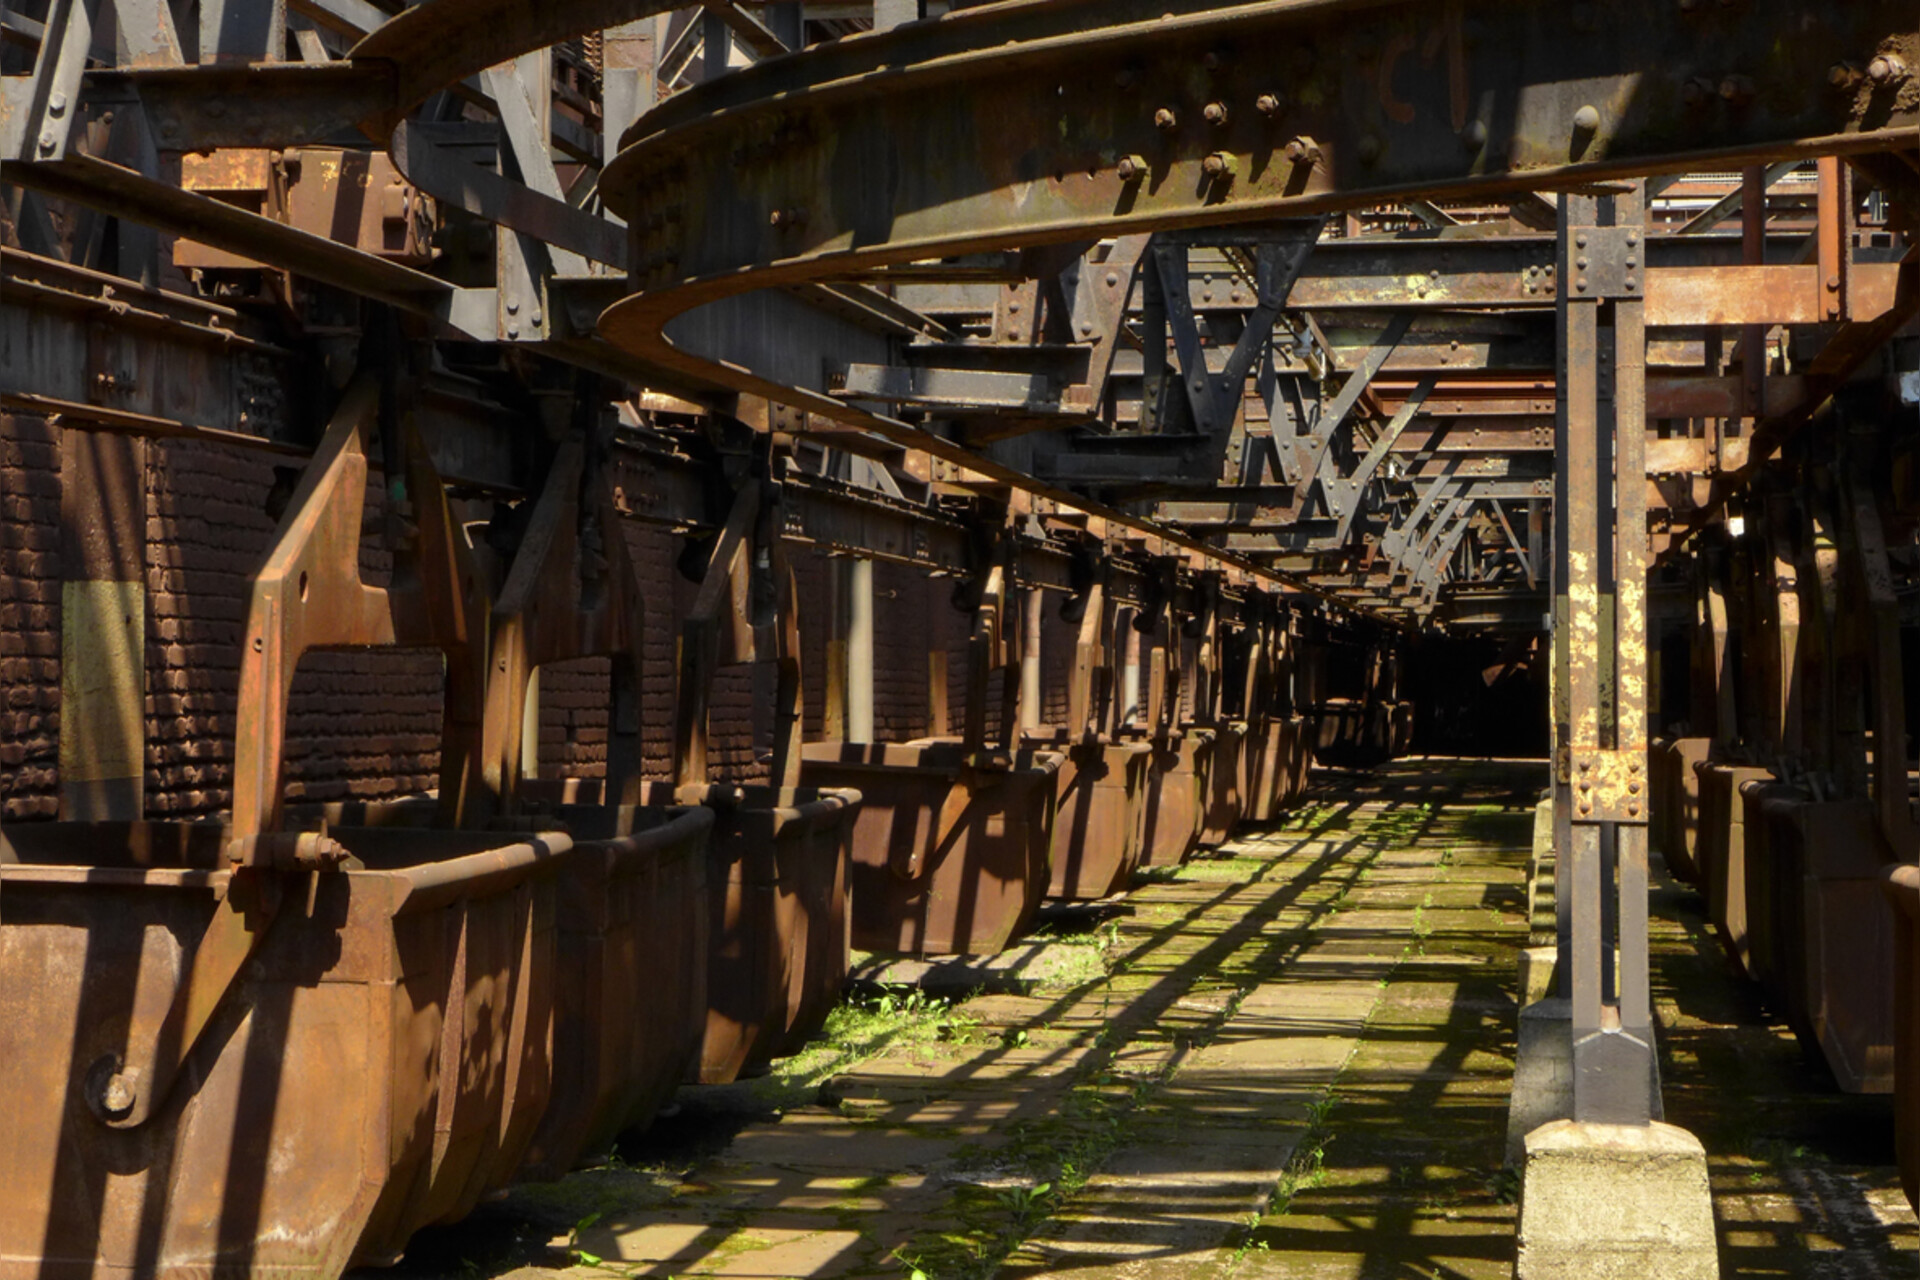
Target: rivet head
point(1587, 118)
point(1886, 69)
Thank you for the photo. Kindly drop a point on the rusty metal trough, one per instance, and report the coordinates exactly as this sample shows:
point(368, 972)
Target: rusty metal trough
point(1818, 929)
point(1674, 787)
point(632, 1001)
point(378, 1061)
point(778, 920)
point(1225, 798)
point(1179, 786)
point(1099, 818)
point(1264, 754)
point(1722, 847)
point(951, 848)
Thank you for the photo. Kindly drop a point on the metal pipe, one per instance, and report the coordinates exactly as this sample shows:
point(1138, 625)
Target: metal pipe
point(857, 598)
point(1030, 660)
point(530, 728)
point(1130, 670)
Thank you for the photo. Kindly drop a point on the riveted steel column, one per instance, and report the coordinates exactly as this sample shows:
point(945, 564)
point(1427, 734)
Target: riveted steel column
point(1602, 879)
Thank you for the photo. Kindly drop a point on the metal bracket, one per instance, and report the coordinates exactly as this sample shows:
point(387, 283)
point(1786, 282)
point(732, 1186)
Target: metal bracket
point(1609, 786)
point(1607, 263)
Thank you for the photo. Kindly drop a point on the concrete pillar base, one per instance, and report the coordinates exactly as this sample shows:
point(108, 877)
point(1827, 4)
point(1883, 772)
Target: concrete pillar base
point(1543, 1068)
point(1615, 1202)
point(1536, 973)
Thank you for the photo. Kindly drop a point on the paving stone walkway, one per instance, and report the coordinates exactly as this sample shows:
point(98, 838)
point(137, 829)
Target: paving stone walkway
point(1295, 1061)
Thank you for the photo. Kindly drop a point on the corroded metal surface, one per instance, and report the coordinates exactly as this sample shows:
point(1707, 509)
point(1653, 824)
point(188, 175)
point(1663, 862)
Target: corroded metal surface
point(1224, 802)
point(1722, 849)
point(1098, 824)
point(424, 976)
point(1178, 790)
point(1824, 926)
point(631, 1000)
point(951, 852)
point(778, 921)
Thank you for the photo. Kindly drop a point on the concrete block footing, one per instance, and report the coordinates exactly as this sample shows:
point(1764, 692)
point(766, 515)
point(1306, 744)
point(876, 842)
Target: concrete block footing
point(1542, 1073)
point(1615, 1202)
point(1543, 1066)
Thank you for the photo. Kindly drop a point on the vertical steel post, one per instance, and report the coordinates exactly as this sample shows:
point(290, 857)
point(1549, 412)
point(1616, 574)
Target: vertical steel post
point(857, 599)
point(1602, 567)
point(1030, 659)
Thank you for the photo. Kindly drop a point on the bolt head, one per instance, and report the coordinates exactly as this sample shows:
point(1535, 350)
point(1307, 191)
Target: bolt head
point(1164, 118)
point(1215, 113)
point(1267, 104)
point(1886, 69)
point(1131, 168)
